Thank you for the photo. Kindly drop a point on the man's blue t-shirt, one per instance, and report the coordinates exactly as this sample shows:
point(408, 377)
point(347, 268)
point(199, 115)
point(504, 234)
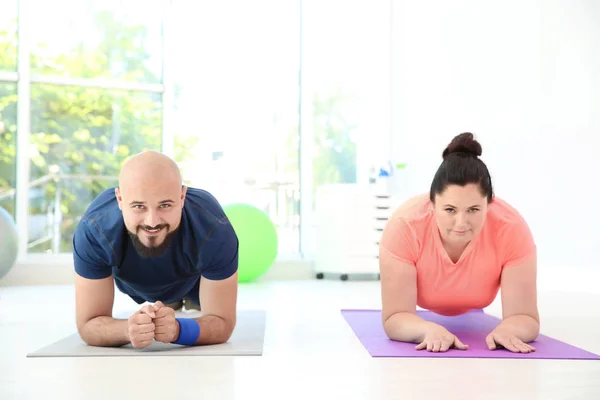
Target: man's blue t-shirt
point(205, 244)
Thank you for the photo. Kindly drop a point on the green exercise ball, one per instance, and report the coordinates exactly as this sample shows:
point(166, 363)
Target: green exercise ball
point(258, 240)
point(9, 242)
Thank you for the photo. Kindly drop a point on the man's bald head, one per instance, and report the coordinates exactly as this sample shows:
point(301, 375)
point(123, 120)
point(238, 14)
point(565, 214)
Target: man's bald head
point(148, 167)
point(151, 195)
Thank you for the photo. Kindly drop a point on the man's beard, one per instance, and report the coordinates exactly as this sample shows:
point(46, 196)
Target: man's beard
point(152, 251)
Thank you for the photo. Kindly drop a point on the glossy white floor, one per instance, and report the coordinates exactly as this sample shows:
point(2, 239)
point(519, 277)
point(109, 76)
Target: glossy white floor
point(309, 352)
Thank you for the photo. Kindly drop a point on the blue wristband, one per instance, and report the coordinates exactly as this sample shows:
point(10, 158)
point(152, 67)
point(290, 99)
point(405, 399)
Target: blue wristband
point(189, 331)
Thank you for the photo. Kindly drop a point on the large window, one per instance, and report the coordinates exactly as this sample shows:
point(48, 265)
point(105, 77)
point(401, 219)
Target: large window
point(346, 76)
point(8, 104)
point(111, 39)
point(79, 139)
point(96, 99)
point(8, 145)
point(259, 102)
point(8, 36)
point(237, 104)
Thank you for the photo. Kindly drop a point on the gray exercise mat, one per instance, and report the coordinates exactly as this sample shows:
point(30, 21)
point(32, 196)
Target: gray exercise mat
point(247, 340)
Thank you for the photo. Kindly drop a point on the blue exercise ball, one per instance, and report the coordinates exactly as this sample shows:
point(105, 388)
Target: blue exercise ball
point(9, 242)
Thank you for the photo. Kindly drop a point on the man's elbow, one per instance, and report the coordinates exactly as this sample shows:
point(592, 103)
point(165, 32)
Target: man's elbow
point(90, 341)
point(87, 333)
point(86, 336)
point(226, 331)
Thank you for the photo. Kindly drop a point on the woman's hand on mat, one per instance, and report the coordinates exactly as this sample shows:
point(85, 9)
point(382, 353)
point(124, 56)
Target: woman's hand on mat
point(500, 338)
point(141, 327)
point(166, 326)
point(439, 339)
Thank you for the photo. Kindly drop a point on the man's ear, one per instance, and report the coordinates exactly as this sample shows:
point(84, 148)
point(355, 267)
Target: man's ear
point(119, 198)
point(183, 193)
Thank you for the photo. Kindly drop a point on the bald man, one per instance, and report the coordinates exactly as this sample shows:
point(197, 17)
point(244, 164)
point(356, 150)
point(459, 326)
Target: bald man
point(162, 244)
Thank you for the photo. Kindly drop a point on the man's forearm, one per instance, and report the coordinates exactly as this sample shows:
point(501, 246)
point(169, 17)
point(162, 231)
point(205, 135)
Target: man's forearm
point(524, 327)
point(105, 332)
point(214, 329)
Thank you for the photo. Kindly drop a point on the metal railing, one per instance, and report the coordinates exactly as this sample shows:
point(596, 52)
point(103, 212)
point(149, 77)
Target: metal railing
point(53, 212)
point(54, 217)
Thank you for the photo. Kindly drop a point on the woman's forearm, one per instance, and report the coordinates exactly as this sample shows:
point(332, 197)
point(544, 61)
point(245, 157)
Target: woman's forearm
point(524, 327)
point(406, 327)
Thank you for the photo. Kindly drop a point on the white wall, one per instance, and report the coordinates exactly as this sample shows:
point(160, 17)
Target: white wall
point(524, 77)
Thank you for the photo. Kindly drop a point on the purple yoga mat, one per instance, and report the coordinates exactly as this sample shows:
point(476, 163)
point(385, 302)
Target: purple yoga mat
point(471, 328)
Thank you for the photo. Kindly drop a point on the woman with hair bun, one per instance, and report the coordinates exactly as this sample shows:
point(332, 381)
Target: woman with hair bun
point(451, 250)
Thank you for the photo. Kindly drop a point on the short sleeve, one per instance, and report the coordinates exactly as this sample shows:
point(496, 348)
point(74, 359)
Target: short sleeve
point(88, 253)
point(220, 253)
point(517, 243)
point(399, 240)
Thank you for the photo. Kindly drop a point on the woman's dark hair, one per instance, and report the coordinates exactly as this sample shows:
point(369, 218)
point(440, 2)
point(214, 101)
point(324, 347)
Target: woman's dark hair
point(462, 166)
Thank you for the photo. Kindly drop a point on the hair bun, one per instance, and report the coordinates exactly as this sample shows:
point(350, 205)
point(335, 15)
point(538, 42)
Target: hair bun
point(465, 144)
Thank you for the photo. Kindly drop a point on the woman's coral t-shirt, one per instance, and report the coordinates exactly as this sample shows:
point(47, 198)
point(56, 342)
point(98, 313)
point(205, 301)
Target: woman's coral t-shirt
point(412, 236)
